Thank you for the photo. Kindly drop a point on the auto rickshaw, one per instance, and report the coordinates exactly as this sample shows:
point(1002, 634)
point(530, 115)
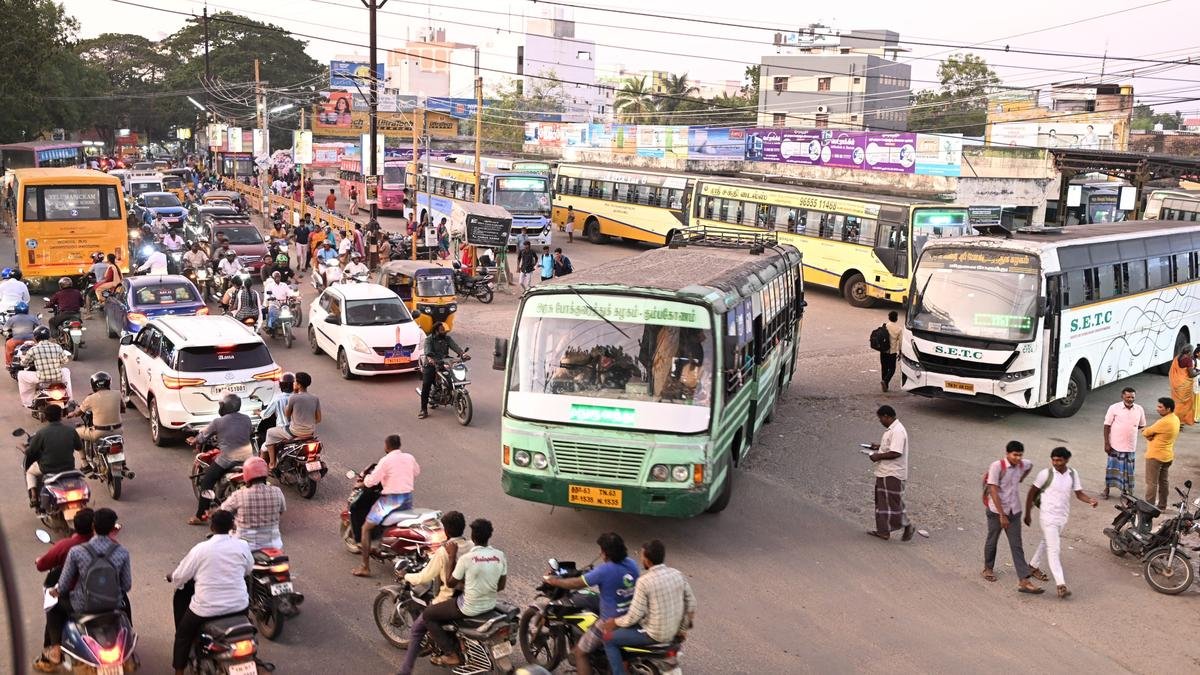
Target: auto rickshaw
point(214, 196)
point(427, 290)
point(175, 185)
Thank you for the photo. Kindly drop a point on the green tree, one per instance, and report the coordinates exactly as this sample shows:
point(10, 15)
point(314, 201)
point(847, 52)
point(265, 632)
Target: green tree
point(750, 88)
point(513, 105)
point(960, 104)
point(634, 100)
point(677, 90)
point(40, 76)
point(1145, 119)
point(132, 70)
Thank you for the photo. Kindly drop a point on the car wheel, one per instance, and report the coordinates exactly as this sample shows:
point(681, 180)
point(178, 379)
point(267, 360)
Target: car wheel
point(123, 385)
point(344, 365)
point(312, 340)
point(158, 433)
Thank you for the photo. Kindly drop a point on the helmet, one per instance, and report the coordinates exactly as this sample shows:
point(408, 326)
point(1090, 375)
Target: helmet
point(65, 282)
point(97, 257)
point(281, 258)
point(254, 468)
point(456, 265)
point(41, 333)
point(287, 383)
point(101, 380)
point(6, 272)
point(16, 274)
point(230, 403)
point(356, 256)
point(21, 308)
point(230, 254)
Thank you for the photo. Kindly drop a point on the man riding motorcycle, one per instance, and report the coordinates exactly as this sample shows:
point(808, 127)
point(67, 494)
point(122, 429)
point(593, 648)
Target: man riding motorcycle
point(195, 259)
point(20, 327)
point(437, 349)
point(156, 261)
point(45, 364)
point(276, 294)
point(106, 407)
point(67, 303)
point(12, 289)
point(229, 266)
point(324, 255)
point(53, 449)
point(356, 267)
point(233, 430)
point(173, 241)
point(257, 507)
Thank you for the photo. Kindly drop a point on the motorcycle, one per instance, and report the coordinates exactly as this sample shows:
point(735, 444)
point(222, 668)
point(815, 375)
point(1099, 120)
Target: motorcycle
point(298, 462)
point(1132, 530)
point(100, 643)
point(15, 366)
point(552, 626)
point(408, 534)
point(52, 394)
point(1168, 568)
point(60, 496)
point(106, 456)
point(199, 277)
point(226, 645)
point(450, 388)
point(205, 456)
point(286, 320)
point(175, 261)
point(481, 287)
point(69, 334)
point(327, 273)
point(272, 597)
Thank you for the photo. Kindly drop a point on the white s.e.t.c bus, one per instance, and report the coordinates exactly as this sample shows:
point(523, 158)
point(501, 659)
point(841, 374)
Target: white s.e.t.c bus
point(1040, 319)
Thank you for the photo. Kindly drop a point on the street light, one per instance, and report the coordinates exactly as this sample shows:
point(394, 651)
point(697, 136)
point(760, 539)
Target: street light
point(197, 104)
point(281, 108)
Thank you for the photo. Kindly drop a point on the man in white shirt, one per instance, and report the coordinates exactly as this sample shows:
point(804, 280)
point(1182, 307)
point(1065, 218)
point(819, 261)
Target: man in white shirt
point(156, 262)
point(172, 241)
point(13, 291)
point(890, 455)
point(218, 566)
point(1054, 486)
point(344, 247)
point(229, 265)
point(356, 266)
point(481, 574)
point(276, 293)
point(1122, 425)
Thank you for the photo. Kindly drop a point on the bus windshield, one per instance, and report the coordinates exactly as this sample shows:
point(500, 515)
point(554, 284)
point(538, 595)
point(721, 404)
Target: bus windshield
point(393, 175)
point(988, 294)
point(616, 361)
point(523, 194)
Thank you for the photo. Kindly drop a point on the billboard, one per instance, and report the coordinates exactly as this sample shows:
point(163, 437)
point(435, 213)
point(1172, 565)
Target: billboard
point(353, 73)
point(1082, 135)
point(365, 154)
point(835, 148)
point(939, 155)
point(336, 109)
point(397, 126)
point(302, 147)
point(235, 139)
point(704, 143)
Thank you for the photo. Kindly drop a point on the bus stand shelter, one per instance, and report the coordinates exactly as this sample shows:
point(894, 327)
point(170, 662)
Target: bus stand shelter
point(1138, 168)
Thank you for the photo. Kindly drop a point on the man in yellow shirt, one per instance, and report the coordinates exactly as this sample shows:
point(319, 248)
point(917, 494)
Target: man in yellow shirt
point(1160, 451)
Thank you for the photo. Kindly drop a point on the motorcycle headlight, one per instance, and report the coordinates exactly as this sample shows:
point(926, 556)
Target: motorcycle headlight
point(357, 344)
point(285, 312)
point(521, 457)
point(540, 462)
point(459, 373)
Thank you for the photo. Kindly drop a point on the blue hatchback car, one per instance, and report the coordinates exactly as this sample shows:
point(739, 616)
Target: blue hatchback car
point(141, 298)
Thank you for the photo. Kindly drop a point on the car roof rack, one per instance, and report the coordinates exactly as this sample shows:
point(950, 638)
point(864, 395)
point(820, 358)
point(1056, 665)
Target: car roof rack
point(753, 240)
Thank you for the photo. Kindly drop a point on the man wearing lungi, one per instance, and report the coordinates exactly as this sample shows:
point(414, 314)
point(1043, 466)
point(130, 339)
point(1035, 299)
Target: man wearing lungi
point(891, 471)
point(1122, 424)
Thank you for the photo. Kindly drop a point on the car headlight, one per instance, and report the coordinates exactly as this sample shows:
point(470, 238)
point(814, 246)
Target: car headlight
point(659, 472)
point(357, 344)
point(540, 462)
point(521, 457)
point(681, 472)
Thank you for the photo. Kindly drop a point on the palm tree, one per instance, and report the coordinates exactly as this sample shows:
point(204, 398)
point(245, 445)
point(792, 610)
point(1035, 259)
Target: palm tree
point(634, 99)
point(675, 89)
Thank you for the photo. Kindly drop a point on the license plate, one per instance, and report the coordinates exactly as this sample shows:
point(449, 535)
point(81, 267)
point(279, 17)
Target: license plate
point(248, 668)
point(113, 459)
point(502, 650)
point(395, 360)
point(587, 495)
point(76, 333)
point(230, 389)
point(313, 466)
point(110, 670)
point(959, 386)
point(281, 589)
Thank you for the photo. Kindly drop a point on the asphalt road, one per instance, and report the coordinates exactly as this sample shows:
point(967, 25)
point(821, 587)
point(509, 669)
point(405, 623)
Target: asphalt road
point(786, 579)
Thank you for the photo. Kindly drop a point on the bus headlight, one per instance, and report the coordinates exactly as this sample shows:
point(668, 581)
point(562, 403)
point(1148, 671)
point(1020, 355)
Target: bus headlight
point(540, 462)
point(659, 472)
point(681, 473)
point(915, 366)
point(521, 457)
point(1019, 375)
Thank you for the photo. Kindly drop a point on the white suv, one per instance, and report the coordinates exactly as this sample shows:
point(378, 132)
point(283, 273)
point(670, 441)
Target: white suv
point(177, 368)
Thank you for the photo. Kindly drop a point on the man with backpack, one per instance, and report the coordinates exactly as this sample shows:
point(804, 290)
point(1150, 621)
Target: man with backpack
point(51, 562)
point(97, 574)
point(1051, 493)
point(1002, 497)
point(886, 340)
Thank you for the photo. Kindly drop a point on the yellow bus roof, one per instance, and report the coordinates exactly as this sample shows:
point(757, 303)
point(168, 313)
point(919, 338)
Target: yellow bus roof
point(55, 176)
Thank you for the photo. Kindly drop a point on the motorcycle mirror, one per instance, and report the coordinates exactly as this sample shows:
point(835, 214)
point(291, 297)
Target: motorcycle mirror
point(18, 432)
point(351, 475)
point(1187, 484)
point(553, 562)
point(43, 536)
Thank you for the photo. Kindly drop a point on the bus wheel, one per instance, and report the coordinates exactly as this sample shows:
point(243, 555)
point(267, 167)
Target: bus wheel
point(854, 290)
point(591, 230)
point(1077, 389)
point(726, 490)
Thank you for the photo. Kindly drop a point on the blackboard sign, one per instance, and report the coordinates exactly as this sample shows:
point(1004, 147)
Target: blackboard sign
point(487, 230)
point(984, 215)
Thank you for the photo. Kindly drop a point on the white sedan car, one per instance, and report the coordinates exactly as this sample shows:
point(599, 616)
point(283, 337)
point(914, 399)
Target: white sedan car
point(367, 328)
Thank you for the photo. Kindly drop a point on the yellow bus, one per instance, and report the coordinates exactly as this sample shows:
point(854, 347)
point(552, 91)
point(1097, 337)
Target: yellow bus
point(863, 245)
point(63, 216)
point(633, 204)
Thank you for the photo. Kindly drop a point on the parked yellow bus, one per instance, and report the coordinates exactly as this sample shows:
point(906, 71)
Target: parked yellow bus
point(861, 244)
point(633, 204)
point(63, 216)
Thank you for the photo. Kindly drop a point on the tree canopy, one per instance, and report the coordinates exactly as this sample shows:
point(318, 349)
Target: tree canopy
point(960, 104)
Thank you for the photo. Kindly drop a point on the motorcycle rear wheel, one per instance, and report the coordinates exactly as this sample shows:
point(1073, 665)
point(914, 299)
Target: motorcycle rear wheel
point(269, 620)
point(1169, 578)
point(306, 487)
point(544, 649)
point(395, 624)
point(114, 487)
point(485, 295)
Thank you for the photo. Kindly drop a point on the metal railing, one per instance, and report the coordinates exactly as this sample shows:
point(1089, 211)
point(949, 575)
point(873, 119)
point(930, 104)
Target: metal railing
point(724, 237)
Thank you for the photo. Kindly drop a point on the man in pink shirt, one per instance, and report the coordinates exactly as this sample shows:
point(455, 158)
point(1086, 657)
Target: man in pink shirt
point(1122, 423)
point(396, 473)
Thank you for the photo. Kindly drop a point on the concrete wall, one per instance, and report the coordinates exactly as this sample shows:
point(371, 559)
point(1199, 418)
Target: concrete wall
point(1185, 145)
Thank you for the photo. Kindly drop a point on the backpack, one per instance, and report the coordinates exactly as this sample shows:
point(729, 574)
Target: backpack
point(881, 340)
point(100, 583)
point(986, 495)
point(1037, 499)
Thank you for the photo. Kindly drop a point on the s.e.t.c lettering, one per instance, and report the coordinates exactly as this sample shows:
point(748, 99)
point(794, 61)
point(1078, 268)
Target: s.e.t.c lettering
point(958, 352)
point(1092, 320)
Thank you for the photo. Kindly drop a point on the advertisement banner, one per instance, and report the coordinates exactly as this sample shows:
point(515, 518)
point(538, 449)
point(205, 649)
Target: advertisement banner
point(624, 139)
point(675, 142)
point(533, 133)
point(336, 109)
point(352, 73)
point(328, 154)
point(397, 126)
point(216, 135)
point(235, 139)
point(575, 135)
point(706, 143)
point(869, 150)
point(601, 135)
point(302, 147)
point(259, 148)
point(651, 140)
point(939, 155)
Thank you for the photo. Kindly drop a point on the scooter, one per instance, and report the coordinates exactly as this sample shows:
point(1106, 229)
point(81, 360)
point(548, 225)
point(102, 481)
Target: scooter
point(298, 462)
point(52, 394)
point(60, 496)
point(327, 273)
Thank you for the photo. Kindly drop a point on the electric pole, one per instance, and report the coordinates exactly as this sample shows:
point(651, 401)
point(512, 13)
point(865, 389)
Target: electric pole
point(478, 124)
point(414, 222)
point(373, 108)
point(207, 80)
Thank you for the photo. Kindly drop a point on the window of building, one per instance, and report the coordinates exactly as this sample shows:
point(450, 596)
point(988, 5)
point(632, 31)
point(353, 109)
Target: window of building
point(780, 84)
point(583, 56)
point(824, 83)
point(857, 80)
point(822, 120)
point(779, 119)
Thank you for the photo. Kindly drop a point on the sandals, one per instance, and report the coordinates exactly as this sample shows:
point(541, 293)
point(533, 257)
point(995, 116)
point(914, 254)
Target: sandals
point(988, 575)
point(1064, 592)
point(194, 520)
point(445, 661)
point(1038, 574)
point(878, 535)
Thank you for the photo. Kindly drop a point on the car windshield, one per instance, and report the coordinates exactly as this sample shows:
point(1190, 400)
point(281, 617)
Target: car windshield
point(240, 235)
point(157, 201)
point(613, 361)
point(232, 357)
point(434, 286)
point(988, 294)
point(523, 194)
point(172, 182)
point(166, 294)
point(376, 312)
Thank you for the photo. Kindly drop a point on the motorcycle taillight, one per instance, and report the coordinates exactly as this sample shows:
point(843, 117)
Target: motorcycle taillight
point(116, 449)
point(312, 450)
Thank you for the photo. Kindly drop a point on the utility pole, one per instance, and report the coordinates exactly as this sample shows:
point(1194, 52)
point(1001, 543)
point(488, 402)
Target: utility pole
point(260, 106)
point(478, 124)
point(302, 192)
point(207, 79)
point(414, 223)
point(373, 106)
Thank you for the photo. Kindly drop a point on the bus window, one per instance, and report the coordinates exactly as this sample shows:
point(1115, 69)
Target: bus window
point(1159, 271)
point(577, 187)
point(645, 195)
point(619, 191)
point(1106, 281)
point(1133, 276)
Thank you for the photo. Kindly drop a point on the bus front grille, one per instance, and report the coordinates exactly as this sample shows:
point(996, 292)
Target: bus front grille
point(594, 460)
point(948, 366)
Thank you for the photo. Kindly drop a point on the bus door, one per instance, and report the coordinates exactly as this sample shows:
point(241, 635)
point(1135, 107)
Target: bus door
point(1052, 331)
point(891, 239)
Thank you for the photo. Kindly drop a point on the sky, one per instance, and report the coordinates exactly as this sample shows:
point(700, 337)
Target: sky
point(716, 51)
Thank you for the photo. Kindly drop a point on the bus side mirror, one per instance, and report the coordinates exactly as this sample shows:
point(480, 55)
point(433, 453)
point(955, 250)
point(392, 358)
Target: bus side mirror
point(1043, 305)
point(499, 353)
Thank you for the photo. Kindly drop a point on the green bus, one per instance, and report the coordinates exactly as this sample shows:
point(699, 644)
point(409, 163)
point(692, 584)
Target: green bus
point(638, 385)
